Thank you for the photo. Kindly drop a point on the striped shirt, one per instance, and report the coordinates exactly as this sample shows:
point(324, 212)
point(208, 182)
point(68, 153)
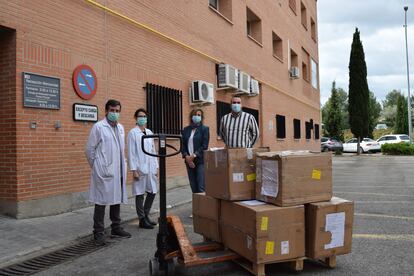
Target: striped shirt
point(239, 131)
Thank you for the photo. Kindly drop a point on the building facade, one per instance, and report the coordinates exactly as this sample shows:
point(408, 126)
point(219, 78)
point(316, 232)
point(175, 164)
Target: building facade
point(146, 54)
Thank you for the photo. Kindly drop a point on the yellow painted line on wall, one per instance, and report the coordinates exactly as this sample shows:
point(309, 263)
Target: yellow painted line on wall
point(377, 194)
point(383, 216)
point(188, 47)
point(387, 237)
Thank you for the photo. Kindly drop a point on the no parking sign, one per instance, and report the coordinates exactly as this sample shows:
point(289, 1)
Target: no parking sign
point(85, 82)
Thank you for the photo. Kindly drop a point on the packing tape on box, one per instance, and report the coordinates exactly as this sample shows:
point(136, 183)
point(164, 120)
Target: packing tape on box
point(316, 174)
point(270, 178)
point(270, 248)
point(264, 224)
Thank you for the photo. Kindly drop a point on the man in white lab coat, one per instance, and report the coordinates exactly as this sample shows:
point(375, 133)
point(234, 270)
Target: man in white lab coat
point(106, 157)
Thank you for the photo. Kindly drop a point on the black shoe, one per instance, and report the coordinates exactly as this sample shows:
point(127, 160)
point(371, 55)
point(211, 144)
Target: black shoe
point(150, 221)
point(99, 239)
point(120, 233)
point(143, 223)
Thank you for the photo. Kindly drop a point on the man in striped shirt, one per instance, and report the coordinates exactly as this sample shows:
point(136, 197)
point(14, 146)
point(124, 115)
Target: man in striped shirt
point(238, 129)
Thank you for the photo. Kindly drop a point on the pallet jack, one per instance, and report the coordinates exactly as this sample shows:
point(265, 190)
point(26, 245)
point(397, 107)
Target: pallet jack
point(172, 240)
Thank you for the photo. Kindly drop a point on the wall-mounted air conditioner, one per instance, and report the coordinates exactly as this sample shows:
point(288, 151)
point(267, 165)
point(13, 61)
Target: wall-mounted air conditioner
point(227, 76)
point(254, 87)
point(294, 72)
point(244, 83)
point(201, 92)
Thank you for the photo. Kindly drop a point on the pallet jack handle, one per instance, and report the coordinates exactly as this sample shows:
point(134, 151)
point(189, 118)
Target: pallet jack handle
point(162, 236)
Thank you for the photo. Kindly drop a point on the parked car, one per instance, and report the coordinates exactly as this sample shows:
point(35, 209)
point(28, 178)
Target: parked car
point(393, 139)
point(366, 145)
point(381, 126)
point(331, 144)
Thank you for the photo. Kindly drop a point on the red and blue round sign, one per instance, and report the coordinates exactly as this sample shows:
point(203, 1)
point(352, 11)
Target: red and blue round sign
point(85, 82)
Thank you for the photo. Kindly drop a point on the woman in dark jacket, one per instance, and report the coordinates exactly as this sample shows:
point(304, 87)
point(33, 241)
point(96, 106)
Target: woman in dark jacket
point(195, 140)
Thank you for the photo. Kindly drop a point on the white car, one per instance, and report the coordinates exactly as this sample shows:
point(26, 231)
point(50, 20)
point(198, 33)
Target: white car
point(393, 139)
point(366, 145)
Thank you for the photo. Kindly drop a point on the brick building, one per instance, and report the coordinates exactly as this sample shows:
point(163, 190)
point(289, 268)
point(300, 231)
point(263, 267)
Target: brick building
point(138, 49)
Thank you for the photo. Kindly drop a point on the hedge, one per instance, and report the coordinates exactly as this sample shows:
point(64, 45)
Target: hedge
point(398, 149)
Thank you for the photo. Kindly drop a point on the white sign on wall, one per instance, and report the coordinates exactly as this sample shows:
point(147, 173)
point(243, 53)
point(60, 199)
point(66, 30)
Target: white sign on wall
point(85, 112)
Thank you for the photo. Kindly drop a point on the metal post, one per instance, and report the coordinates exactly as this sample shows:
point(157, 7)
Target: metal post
point(408, 78)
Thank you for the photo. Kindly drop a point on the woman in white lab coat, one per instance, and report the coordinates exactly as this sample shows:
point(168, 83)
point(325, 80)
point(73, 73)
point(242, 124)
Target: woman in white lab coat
point(144, 169)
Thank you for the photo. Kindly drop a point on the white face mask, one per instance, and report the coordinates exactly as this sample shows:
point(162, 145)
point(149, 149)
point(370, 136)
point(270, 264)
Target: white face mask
point(113, 116)
point(236, 107)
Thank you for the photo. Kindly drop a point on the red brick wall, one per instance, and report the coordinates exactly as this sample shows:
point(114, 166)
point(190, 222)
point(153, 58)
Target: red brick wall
point(53, 37)
point(7, 114)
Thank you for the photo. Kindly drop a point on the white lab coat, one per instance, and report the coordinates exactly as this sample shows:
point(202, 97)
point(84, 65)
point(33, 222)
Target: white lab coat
point(105, 155)
point(147, 166)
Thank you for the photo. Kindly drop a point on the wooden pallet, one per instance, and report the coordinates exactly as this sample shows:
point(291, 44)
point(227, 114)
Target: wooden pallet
point(259, 269)
point(295, 264)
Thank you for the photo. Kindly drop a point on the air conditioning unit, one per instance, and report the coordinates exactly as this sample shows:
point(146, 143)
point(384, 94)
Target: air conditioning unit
point(294, 72)
point(228, 76)
point(254, 87)
point(244, 83)
point(201, 92)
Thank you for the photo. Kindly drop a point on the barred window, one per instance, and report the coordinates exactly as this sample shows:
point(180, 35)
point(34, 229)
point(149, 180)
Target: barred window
point(280, 127)
point(316, 131)
point(165, 108)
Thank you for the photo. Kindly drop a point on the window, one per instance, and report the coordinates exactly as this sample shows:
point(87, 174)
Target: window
point(296, 128)
point(314, 73)
point(303, 15)
point(316, 130)
point(280, 127)
point(292, 5)
point(308, 128)
point(277, 46)
point(305, 65)
point(313, 29)
point(165, 108)
point(223, 108)
point(223, 7)
point(293, 58)
point(254, 26)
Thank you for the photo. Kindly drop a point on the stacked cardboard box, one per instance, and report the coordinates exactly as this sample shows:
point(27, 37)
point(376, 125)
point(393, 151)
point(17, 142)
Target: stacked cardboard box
point(272, 229)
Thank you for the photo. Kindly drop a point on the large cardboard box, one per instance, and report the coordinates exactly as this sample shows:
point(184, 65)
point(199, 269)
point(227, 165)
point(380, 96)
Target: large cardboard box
point(206, 216)
point(230, 174)
point(291, 178)
point(329, 228)
point(263, 233)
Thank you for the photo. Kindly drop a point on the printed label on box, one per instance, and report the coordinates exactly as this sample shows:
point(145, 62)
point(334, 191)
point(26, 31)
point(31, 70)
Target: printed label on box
point(270, 248)
point(270, 178)
point(238, 177)
point(316, 174)
point(251, 177)
point(335, 223)
point(284, 247)
point(264, 224)
point(249, 152)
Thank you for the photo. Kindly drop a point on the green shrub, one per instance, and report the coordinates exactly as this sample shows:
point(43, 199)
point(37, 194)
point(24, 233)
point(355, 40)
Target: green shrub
point(398, 149)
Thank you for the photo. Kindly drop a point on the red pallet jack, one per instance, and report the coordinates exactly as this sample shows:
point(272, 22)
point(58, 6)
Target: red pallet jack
point(172, 240)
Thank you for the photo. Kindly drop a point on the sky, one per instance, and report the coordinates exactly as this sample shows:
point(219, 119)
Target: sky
point(380, 23)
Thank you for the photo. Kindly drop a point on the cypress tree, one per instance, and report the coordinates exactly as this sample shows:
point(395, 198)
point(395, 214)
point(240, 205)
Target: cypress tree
point(401, 120)
point(358, 93)
point(334, 115)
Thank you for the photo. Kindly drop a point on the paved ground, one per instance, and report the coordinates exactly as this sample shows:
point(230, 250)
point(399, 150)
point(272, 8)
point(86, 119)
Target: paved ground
point(382, 188)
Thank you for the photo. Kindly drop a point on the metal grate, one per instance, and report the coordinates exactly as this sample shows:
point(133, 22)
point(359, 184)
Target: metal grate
point(46, 261)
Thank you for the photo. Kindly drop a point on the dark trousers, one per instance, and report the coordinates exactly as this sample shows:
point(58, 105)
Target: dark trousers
point(196, 178)
point(99, 216)
point(142, 208)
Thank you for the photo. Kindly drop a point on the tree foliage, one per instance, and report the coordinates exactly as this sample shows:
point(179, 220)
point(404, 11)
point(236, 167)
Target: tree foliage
point(401, 120)
point(374, 113)
point(333, 121)
point(358, 89)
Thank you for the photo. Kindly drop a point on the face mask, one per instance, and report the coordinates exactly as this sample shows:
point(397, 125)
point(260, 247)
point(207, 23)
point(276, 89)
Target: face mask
point(196, 119)
point(113, 116)
point(236, 108)
point(141, 121)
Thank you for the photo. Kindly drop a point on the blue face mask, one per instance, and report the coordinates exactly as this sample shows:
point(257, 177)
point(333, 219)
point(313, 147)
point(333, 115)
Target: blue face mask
point(113, 116)
point(141, 121)
point(196, 119)
point(236, 108)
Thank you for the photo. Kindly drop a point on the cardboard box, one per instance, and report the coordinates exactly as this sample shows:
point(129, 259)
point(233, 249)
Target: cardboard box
point(329, 228)
point(291, 178)
point(263, 233)
point(230, 174)
point(206, 212)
